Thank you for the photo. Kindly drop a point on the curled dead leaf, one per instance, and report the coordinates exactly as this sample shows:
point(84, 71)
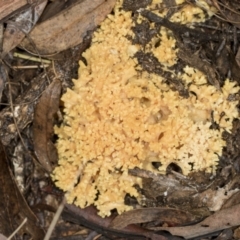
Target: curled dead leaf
point(164, 215)
point(3, 79)
point(89, 218)
point(45, 110)
point(13, 207)
point(220, 220)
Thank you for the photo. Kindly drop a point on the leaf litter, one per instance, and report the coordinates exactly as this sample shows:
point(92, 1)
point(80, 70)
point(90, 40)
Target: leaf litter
point(18, 27)
point(186, 211)
point(43, 121)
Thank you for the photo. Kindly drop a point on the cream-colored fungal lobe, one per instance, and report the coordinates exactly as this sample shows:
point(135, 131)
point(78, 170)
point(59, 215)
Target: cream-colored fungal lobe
point(117, 118)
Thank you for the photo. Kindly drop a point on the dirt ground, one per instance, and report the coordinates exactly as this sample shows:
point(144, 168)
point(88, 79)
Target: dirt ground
point(39, 59)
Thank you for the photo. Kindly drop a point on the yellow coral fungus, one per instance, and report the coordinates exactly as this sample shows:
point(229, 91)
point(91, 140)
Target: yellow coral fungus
point(117, 118)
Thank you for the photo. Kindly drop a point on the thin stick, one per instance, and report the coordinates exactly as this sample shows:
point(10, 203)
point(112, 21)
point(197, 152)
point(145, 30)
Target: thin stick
point(55, 220)
point(30, 66)
point(19, 227)
point(35, 59)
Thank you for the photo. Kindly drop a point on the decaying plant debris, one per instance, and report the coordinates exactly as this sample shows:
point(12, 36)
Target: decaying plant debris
point(198, 206)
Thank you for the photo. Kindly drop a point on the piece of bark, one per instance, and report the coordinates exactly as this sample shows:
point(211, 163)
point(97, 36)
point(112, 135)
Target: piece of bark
point(13, 207)
point(45, 110)
point(68, 28)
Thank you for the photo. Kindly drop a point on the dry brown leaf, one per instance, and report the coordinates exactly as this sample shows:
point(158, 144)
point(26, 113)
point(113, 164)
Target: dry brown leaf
point(3, 79)
point(68, 28)
point(9, 7)
point(55, 7)
point(21, 25)
point(45, 110)
point(237, 58)
point(1, 36)
point(167, 215)
point(89, 218)
point(220, 220)
point(13, 207)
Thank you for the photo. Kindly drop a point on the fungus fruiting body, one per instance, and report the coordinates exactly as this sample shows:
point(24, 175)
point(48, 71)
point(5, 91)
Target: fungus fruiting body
point(118, 116)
